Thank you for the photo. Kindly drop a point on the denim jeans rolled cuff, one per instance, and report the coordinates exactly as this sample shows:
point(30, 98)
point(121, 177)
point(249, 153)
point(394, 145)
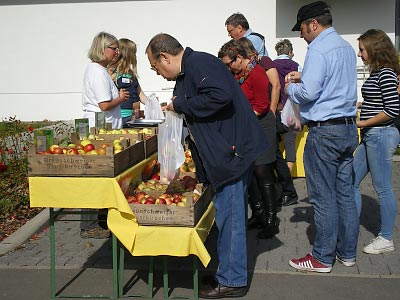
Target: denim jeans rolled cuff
point(328, 164)
point(352, 259)
point(230, 204)
point(321, 262)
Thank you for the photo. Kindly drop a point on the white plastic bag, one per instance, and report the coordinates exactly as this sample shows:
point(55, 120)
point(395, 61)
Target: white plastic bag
point(290, 115)
point(152, 108)
point(170, 150)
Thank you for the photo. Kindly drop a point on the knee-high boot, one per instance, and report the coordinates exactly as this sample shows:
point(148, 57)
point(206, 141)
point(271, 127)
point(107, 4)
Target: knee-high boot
point(257, 219)
point(268, 196)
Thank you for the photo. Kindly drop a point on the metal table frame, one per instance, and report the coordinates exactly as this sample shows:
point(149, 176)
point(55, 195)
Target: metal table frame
point(54, 294)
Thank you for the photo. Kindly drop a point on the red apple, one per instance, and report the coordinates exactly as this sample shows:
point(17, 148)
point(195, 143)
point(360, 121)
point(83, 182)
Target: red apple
point(88, 148)
point(131, 199)
point(156, 177)
point(150, 200)
point(140, 196)
point(72, 151)
point(161, 201)
point(53, 147)
point(79, 147)
point(58, 151)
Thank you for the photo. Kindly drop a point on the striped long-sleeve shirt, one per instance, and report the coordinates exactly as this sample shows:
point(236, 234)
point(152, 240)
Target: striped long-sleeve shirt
point(380, 94)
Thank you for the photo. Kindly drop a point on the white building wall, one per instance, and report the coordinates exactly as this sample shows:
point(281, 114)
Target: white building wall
point(44, 46)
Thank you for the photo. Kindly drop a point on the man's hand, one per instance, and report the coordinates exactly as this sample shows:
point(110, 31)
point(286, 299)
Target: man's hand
point(293, 77)
point(171, 105)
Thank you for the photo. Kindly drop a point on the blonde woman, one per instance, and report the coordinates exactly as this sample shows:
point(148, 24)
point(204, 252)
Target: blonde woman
point(99, 91)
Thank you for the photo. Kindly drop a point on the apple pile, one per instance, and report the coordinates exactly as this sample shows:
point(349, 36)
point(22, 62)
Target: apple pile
point(85, 147)
point(141, 197)
point(126, 131)
point(188, 165)
point(152, 184)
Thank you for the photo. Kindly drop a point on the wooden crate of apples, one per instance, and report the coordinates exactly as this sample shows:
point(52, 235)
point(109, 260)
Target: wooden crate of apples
point(182, 202)
point(148, 135)
point(86, 157)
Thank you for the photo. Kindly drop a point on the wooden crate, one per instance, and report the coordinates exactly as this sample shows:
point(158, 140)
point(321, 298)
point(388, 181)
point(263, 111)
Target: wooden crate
point(150, 145)
point(84, 165)
point(168, 215)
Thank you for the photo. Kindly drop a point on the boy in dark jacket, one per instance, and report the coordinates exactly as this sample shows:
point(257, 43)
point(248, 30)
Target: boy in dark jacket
point(228, 138)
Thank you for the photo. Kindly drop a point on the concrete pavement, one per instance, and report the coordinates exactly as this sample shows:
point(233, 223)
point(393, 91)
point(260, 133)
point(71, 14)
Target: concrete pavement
point(86, 264)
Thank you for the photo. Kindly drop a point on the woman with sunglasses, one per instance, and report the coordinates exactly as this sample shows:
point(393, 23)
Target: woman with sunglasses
point(254, 83)
point(99, 91)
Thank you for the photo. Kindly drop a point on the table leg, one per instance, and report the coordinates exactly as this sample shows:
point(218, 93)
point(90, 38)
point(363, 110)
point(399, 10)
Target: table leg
point(165, 276)
point(52, 256)
point(195, 277)
point(115, 265)
point(151, 278)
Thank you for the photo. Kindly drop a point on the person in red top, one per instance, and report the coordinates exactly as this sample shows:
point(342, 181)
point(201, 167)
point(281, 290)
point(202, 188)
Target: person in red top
point(254, 83)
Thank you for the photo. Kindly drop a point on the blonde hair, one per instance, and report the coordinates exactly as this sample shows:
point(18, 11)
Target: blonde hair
point(127, 61)
point(100, 42)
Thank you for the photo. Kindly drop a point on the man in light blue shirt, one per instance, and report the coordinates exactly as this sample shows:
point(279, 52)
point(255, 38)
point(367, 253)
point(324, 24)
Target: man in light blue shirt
point(238, 27)
point(326, 92)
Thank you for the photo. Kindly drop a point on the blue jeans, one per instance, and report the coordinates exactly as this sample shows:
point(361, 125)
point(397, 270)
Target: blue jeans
point(374, 155)
point(230, 203)
point(328, 165)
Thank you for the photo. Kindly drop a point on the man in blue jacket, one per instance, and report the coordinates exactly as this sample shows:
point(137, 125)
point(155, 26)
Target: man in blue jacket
point(228, 138)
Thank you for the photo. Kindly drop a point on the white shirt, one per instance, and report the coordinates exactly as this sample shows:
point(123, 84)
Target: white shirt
point(99, 87)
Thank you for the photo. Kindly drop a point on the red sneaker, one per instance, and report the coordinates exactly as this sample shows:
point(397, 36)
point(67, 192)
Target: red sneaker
point(309, 263)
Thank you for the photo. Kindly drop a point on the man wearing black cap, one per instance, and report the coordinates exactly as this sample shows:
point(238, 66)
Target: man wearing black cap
point(327, 94)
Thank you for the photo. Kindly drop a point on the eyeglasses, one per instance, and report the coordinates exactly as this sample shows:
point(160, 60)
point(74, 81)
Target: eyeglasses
point(230, 30)
point(154, 67)
point(229, 64)
point(115, 49)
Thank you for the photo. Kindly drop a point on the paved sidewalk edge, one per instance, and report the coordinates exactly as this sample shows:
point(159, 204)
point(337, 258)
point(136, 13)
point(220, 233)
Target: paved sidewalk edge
point(24, 233)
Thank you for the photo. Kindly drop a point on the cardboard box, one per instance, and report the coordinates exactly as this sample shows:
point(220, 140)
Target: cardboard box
point(109, 165)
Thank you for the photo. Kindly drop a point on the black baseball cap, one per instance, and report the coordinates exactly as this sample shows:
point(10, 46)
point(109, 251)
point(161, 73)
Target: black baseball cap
point(309, 11)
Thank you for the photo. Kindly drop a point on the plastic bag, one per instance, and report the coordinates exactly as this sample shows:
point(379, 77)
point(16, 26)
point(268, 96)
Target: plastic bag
point(290, 115)
point(170, 150)
point(152, 109)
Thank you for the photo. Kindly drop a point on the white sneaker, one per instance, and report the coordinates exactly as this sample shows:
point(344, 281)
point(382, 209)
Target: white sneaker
point(379, 245)
point(346, 263)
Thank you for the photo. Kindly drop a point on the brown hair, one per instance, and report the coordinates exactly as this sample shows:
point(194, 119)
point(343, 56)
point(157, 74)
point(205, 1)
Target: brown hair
point(380, 49)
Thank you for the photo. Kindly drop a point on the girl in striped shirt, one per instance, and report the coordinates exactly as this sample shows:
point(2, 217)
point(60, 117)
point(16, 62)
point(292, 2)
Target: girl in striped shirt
point(379, 136)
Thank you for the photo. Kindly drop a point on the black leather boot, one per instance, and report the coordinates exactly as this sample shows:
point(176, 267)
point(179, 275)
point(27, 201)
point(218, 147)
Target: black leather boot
point(257, 219)
point(268, 196)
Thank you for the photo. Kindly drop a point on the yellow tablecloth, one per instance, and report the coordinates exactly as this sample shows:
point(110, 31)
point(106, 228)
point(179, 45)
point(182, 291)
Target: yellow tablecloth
point(89, 192)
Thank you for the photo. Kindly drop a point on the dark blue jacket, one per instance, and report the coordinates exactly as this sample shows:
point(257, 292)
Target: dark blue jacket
point(126, 82)
point(226, 131)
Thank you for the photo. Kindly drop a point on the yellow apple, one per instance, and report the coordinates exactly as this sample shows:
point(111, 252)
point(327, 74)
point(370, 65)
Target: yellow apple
point(85, 142)
point(118, 146)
